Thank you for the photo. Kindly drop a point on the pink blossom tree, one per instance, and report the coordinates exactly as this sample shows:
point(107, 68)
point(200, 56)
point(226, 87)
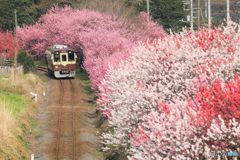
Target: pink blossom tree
point(100, 36)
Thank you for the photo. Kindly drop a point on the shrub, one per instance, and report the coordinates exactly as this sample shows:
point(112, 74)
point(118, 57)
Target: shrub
point(26, 60)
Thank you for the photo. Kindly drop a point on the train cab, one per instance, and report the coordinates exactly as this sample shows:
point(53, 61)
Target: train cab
point(61, 61)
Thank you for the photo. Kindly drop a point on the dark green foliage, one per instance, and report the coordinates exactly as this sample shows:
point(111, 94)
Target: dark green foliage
point(26, 60)
point(168, 13)
point(26, 13)
point(83, 76)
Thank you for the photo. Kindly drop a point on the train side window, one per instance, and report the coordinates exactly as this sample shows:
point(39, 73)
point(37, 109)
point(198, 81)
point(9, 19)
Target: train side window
point(56, 57)
point(71, 56)
point(64, 57)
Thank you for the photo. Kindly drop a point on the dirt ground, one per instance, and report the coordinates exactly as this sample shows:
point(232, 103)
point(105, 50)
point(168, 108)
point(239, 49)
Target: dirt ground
point(45, 142)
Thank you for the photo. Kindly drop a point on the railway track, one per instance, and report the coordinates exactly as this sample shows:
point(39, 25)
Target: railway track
point(66, 138)
point(44, 69)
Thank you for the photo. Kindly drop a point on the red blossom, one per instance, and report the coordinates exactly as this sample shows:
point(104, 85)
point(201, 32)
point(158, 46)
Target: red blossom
point(7, 45)
point(218, 98)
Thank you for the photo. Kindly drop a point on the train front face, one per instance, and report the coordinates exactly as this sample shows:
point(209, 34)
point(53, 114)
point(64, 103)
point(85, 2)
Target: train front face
point(64, 63)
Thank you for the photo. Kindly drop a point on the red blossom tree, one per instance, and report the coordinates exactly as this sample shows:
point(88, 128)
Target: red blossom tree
point(7, 45)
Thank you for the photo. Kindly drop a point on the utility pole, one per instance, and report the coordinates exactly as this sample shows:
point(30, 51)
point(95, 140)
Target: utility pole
point(191, 15)
point(198, 13)
point(206, 8)
point(148, 9)
point(228, 12)
point(15, 47)
point(209, 14)
point(15, 39)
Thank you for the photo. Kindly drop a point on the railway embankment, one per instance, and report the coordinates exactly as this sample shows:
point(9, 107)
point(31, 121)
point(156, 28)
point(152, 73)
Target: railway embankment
point(17, 105)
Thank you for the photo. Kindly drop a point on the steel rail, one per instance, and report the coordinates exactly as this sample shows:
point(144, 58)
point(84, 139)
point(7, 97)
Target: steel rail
point(44, 69)
point(73, 121)
point(59, 121)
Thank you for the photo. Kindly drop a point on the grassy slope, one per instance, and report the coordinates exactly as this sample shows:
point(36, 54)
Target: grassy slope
point(15, 120)
point(11, 97)
point(14, 101)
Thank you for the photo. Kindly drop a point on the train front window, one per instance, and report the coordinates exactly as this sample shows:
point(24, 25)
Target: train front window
point(64, 58)
point(56, 57)
point(71, 56)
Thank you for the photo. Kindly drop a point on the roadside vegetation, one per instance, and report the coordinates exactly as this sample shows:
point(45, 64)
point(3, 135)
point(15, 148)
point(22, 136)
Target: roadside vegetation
point(16, 115)
point(85, 81)
point(26, 61)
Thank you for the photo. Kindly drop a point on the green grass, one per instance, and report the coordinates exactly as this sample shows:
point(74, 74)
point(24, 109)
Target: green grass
point(83, 76)
point(11, 97)
point(40, 62)
point(5, 85)
point(14, 102)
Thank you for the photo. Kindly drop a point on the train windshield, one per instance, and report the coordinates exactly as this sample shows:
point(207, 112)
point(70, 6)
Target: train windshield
point(64, 57)
point(56, 57)
point(70, 56)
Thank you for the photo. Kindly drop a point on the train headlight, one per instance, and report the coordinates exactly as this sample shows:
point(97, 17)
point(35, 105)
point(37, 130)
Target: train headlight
point(56, 67)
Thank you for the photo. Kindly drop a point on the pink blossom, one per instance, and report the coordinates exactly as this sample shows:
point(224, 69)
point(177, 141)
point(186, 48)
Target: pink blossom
point(105, 39)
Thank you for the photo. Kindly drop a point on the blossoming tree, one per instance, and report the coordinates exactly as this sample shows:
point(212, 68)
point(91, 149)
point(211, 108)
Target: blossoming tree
point(100, 36)
point(172, 97)
point(175, 97)
point(7, 45)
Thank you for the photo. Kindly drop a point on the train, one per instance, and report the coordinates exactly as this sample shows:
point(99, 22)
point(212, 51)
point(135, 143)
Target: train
point(61, 61)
